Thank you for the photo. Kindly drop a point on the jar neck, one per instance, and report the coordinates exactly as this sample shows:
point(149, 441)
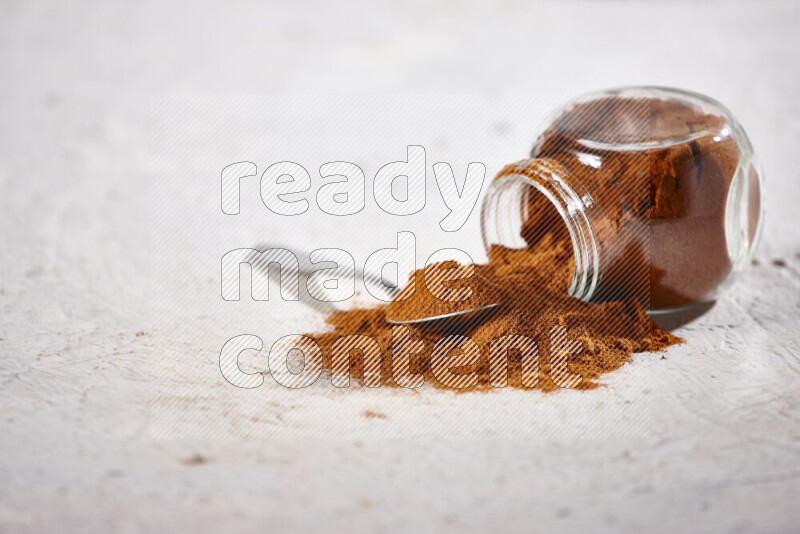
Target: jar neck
point(505, 210)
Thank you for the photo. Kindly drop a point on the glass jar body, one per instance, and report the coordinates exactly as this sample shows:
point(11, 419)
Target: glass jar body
point(657, 190)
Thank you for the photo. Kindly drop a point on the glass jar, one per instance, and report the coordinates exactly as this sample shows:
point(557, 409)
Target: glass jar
point(656, 189)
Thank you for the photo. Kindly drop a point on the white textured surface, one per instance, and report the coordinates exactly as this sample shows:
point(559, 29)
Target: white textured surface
point(76, 454)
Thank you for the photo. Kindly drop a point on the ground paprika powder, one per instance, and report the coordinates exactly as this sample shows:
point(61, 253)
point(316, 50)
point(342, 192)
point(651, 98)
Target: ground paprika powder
point(634, 200)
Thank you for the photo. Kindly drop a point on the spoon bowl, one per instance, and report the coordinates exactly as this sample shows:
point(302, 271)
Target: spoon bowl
point(376, 284)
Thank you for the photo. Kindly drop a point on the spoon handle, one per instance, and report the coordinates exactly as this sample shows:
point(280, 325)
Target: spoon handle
point(373, 281)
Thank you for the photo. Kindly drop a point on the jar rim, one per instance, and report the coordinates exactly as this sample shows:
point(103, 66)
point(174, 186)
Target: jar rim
point(571, 207)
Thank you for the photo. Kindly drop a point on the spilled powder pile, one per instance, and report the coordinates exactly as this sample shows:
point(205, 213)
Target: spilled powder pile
point(531, 287)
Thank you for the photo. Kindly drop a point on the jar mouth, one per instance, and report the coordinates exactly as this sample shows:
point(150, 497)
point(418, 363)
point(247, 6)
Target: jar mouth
point(571, 208)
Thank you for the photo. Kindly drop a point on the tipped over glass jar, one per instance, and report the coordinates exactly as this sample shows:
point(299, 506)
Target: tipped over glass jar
point(656, 189)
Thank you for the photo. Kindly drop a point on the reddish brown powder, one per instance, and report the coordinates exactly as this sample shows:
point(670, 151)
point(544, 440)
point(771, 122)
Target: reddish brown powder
point(530, 285)
point(674, 186)
point(658, 173)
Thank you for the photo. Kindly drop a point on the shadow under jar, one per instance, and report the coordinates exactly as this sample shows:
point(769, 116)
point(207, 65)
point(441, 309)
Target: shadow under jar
point(656, 189)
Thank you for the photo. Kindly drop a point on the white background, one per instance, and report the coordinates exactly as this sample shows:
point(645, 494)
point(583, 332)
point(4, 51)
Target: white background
point(76, 80)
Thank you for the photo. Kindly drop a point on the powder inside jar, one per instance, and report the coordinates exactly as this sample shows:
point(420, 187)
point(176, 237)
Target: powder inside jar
point(661, 171)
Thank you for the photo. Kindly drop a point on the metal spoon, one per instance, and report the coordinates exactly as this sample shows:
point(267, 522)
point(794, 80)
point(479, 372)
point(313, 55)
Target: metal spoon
point(376, 285)
point(438, 321)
